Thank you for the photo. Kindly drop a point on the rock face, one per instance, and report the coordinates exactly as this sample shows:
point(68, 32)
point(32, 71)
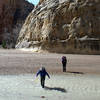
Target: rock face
point(12, 16)
point(68, 26)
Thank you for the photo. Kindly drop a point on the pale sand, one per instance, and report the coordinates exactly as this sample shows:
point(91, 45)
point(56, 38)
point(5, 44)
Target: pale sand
point(18, 82)
point(59, 87)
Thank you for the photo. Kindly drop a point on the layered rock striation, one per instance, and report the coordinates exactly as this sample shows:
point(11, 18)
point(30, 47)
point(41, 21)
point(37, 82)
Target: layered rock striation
point(12, 16)
point(67, 26)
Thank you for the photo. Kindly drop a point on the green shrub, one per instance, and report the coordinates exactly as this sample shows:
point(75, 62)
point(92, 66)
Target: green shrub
point(4, 44)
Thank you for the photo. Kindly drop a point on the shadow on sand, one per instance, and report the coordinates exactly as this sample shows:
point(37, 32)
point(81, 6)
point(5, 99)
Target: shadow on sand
point(56, 89)
point(76, 72)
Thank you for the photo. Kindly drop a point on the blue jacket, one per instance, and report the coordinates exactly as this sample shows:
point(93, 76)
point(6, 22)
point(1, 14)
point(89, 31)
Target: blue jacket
point(42, 73)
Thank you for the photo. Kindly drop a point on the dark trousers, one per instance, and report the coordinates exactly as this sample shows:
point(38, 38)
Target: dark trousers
point(43, 81)
point(64, 67)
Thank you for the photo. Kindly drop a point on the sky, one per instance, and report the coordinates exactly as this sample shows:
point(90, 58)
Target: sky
point(35, 2)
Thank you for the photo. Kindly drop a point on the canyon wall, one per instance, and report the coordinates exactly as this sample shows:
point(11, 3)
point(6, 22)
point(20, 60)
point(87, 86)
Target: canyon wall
point(12, 16)
point(64, 26)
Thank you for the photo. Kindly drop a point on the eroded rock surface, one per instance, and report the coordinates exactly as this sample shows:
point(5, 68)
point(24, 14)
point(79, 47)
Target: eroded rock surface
point(68, 26)
point(12, 16)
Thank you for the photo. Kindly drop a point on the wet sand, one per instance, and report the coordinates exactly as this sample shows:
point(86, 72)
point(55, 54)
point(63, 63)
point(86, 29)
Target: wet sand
point(25, 62)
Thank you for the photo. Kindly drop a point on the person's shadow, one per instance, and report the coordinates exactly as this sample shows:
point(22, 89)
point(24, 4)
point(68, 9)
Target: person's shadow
point(56, 89)
point(76, 72)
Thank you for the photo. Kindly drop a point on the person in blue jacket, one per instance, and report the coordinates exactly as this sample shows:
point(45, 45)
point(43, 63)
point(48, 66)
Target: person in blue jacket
point(43, 74)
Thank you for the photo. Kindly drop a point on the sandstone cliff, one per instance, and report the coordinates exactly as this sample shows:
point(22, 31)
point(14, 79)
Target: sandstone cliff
point(68, 26)
point(12, 16)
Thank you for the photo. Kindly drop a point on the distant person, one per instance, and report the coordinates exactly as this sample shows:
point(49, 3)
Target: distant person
point(43, 74)
point(64, 62)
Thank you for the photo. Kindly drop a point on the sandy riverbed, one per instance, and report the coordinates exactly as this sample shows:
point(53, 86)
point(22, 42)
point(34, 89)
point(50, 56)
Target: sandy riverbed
point(18, 82)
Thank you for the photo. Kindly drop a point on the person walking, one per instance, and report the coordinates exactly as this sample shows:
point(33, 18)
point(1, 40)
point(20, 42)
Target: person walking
point(43, 74)
point(64, 62)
